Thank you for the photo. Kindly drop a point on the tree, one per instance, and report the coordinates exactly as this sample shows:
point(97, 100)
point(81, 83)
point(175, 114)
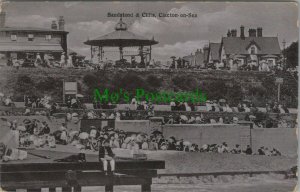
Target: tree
point(291, 54)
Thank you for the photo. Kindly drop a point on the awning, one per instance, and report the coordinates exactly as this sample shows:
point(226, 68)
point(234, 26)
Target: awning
point(270, 56)
point(239, 56)
point(30, 48)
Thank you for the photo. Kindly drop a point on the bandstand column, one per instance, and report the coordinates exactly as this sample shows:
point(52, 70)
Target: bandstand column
point(99, 54)
point(121, 52)
point(91, 53)
point(150, 53)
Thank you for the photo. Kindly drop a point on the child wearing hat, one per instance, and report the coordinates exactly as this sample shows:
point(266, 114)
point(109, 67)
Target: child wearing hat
point(106, 155)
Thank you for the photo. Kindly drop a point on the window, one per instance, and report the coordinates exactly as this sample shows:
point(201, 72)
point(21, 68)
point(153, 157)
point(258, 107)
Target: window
point(241, 61)
point(271, 62)
point(253, 50)
point(48, 37)
point(13, 37)
point(30, 37)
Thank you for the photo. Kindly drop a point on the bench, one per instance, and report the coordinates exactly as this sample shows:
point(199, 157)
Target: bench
point(36, 173)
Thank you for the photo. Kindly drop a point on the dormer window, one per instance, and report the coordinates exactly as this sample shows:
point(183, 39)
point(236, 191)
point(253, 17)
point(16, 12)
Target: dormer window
point(13, 37)
point(252, 50)
point(48, 37)
point(30, 37)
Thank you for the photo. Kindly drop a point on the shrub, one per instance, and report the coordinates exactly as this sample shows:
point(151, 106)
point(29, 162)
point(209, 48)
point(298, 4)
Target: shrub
point(154, 81)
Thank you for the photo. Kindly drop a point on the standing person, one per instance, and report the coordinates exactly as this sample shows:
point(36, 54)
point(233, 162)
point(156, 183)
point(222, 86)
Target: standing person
point(106, 154)
point(47, 59)
point(38, 60)
point(70, 61)
point(62, 59)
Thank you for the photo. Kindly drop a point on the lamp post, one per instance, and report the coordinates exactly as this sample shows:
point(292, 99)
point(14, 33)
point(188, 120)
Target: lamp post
point(284, 62)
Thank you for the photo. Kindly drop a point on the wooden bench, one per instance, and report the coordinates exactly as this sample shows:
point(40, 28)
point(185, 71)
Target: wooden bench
point(36, 173)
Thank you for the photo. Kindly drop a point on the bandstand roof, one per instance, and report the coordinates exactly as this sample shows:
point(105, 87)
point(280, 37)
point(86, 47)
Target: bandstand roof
point(121, 38)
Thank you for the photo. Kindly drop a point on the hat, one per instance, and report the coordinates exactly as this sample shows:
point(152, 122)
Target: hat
point(110, 129)
point(26, 121)
point(92, 127)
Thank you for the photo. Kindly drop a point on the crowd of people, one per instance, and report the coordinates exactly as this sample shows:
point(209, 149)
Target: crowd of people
point(74, 102)
point(48, 60)
point(142, 110)
point(37, 102)
point(232, 64)
point(39, 134)
point(6, 100)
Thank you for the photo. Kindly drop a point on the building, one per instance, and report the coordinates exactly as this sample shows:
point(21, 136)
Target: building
point(196, 60)
point(214, 53)
point(24, 43)
point(254, 49)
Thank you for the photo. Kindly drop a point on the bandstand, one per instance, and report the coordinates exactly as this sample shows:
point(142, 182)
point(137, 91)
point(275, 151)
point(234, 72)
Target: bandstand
point(122, 38)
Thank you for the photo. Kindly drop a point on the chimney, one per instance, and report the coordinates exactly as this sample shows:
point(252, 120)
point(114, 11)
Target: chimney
point(2, 19)
point(61, 23)
point(228, 33)
point(242, 32)
point(259, 32)
point(252, 32)
point(233, 33)
point(54, 25)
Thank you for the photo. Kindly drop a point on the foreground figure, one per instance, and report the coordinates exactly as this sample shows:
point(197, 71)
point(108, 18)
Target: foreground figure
point(106, 155)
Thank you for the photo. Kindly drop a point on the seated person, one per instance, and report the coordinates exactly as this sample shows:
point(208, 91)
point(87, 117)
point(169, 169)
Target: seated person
point(237, 149)
point(228, 109)
point(248, 150)
point(280, 108)
point(246, 108)
point(261, 151)
point(240, 108)
point(208, 105)
point(106, 155)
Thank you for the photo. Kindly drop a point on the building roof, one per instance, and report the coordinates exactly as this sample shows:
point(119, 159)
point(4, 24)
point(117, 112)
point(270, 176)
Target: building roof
point(121, 38)
point(188, 58)
point(237, 45)
point(199, 59)
point(36, 47)
point(31, 29)
point(215, 50)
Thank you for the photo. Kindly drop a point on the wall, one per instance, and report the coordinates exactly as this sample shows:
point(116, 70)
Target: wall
point(283, 139)
point(133, 126)
point(209, 133)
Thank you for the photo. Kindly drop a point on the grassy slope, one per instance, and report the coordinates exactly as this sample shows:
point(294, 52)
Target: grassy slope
point(217, 84)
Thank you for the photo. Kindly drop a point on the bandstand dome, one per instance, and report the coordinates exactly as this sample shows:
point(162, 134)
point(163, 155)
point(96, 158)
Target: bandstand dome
point(121, 37)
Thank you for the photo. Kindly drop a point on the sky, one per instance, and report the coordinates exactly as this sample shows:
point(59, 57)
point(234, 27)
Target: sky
point(176, 36)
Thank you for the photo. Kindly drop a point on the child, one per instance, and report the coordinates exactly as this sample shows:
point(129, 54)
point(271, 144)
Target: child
point(105, 155)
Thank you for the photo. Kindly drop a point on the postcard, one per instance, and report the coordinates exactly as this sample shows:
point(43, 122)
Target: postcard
point(148, 96)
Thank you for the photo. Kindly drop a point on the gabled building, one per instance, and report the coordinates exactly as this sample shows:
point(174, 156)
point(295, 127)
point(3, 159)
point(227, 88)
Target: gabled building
point(252, 49)
point(26, 42)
